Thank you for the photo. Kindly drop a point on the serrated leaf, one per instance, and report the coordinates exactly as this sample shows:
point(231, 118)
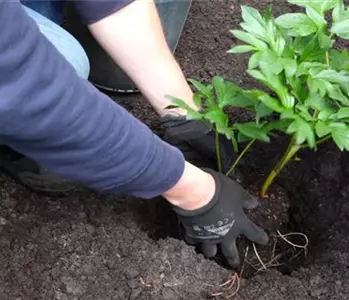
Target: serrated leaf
point(317, 17)
point(297, 24)
point(252, 130)
point(250, 39)
point(322, 129)
point(340, 135)
point(303, 132)
point(341, 28)
point(242, 49)
point(254, 60)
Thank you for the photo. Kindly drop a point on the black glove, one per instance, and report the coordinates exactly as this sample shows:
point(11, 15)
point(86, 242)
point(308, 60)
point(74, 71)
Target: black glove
point(222, 220)
point(197, 141)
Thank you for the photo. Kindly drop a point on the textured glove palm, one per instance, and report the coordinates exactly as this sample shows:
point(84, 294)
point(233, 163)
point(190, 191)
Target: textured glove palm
point(222, 220)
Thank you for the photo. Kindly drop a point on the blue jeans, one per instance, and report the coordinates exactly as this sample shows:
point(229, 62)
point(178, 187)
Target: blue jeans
point(63, 41)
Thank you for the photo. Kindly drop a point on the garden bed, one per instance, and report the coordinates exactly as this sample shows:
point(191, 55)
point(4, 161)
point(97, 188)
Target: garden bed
point(89, 246)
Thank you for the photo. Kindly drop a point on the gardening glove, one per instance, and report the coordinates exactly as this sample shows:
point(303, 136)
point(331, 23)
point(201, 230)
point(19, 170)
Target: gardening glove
point(222, 220)
point(197, 142)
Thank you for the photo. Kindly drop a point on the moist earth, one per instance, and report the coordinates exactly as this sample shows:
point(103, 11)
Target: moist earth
point(85, 245)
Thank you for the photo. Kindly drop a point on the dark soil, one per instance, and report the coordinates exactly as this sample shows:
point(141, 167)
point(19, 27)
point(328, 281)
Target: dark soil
point(91, 246)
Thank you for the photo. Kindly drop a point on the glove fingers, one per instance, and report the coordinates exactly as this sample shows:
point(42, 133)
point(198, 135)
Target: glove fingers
point(253, 232)
point(209, 250)
point(230, 252)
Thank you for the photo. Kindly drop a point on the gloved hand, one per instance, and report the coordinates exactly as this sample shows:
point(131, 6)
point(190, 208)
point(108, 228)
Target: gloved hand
point(197, 141)
point(222, 220)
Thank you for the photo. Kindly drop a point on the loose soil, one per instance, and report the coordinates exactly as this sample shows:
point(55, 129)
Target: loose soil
point(85, 245)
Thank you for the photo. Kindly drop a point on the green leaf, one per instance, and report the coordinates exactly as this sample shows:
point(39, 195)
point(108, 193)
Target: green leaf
point(179, 103)
point(254, 22)
point(252, 130)
point(315, 101)
point(326, 113)
point(339, 60)
point(205, 90)
point(225, 91)
point(297, 24)
point(271, 102)
point(317, 18)
point(339, 13)
point(335, 92)
point(343, 113)
point(242, 49)
point(333, 76)
point(279, 125)
point(254, 60)
point(197, 98)
point(274, 83)
point(321, 6)
point(290, 66)
point(325, 41)
point(303, 131)
point(311, 50)
point(270, 62)
point(341, 29)
point(288, 114)
point(340, 135)
point(262, 111)
point(250, 39)
point(322, 129)
point(219, 118)
point(243, 138)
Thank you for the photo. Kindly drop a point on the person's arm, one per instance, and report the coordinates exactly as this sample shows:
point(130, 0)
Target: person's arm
point(60, 120)
point(133, 36)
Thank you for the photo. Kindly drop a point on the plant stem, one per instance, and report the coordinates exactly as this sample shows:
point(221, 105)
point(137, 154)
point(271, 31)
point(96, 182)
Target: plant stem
point(238, 159)
point(290, 152)
point(218, 152)
point(327, 59)
point(324, 139)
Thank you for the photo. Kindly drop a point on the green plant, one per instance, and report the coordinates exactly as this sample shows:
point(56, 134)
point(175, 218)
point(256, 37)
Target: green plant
point(306, 79)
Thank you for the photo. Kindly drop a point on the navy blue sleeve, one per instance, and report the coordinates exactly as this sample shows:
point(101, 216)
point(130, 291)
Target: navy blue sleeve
point(60, 120)
point(91, 11)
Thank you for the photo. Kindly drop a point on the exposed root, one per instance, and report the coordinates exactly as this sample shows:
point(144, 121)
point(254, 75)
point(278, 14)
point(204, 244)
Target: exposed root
point(233, 280)
point(259, 258)
point(284, 237)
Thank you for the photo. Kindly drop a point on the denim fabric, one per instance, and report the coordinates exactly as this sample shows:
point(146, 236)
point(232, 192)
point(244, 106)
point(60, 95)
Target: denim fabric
point(64, 42)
